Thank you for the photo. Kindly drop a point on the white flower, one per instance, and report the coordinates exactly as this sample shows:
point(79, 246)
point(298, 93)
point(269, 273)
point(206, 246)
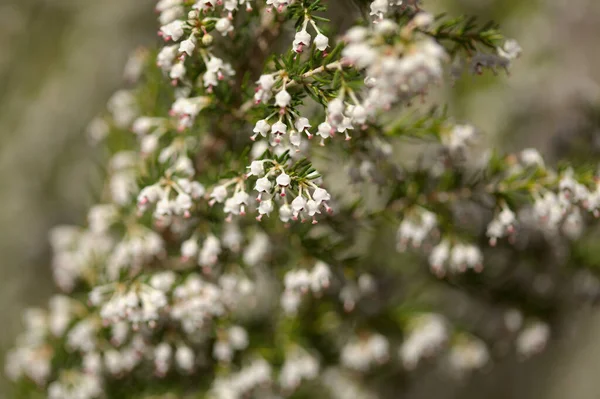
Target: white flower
point(173, 31)
point(356, 34)
point(386, 27)
point(184, 357)
point(219, 193)
point(438, 257)
point(257, 168)
point(189, 248)
point(324, 130)
point(302, 124)
point(263, 185)
point(312, 207)
point(423, 19)
point(510, 50)
point(223, 26)
point(321, 42)
point(285, 213)
point(265, 207)
point(178, 71)
point(187, 46)
point(379, 8)
point(166, 56)
point(533, 339)
point(298, 204)
point(279, 128)
point(266, 82)
point(359, 114)
point(290, 301)
point(222, 351)
point(320, 276)
point(262, 127)
point(238, 337)
point(283, 99)
point(295, 138)
point(531, 157)
point(283, 180)
point(320, 195)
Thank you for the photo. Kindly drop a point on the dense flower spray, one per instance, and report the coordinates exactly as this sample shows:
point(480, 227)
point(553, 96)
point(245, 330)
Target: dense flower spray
point(222, 263)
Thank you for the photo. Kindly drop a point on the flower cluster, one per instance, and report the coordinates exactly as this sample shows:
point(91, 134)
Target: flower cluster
point(361, 354)
point(274, 183)
point(299, 282)
point(428, 334)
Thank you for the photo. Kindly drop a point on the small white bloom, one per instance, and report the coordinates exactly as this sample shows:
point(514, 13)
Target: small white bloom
point(219, 193)
point(279, 128)
point(238, 337)
point(285, 213)
point(265, 207)
point(283, 99)
point(262, 127)
point(223, 26)
point(257, 168)
point(283, 180)
point(320, 195)
point(298, 204)
point(266, 82)
point(187, 46)
point(189, 248)
point(321, 42)
point(178, 71)
point(324, 130)
point(263, 185)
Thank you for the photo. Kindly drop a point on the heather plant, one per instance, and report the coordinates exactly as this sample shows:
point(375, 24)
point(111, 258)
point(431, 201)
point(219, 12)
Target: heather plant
point(286, 214)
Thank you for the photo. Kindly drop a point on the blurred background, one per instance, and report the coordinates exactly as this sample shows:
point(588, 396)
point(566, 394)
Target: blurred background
point(60, 60)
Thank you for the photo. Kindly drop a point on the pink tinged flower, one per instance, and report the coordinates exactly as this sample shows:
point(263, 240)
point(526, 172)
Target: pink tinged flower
point(283, 180)
point(150, 194)
point(324, 130)
point(283, 99)
point(321, 42)
point(278, 129)
point(183, 203)
point(301, 40)
point(172, 31)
